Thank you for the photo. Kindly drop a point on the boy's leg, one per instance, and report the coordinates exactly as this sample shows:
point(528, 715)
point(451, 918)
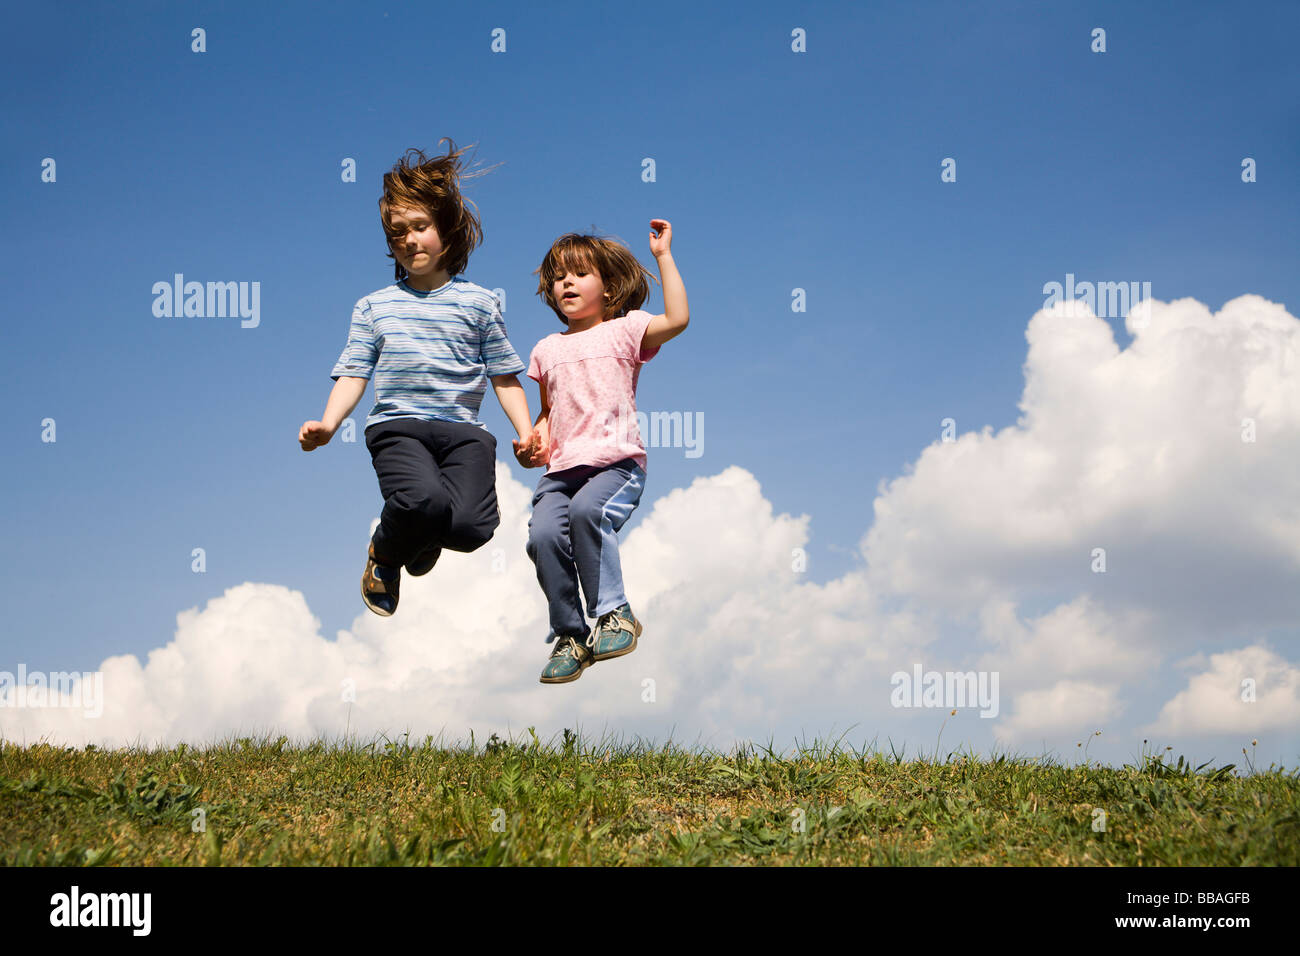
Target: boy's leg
point(467, 461)
point(417, 507)
point(551, 551)
point(599, 509)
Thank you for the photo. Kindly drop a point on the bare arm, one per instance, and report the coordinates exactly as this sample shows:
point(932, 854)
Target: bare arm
point(344, 397)
point(676, 312)
point(536, 451)
point(513, 402)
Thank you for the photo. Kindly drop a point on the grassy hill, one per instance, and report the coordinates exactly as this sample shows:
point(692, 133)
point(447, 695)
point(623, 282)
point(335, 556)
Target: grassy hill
point(247, 802)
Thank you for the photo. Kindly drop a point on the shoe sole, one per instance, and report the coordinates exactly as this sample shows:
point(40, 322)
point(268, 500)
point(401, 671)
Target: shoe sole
point(564, 680)
point(627, 650)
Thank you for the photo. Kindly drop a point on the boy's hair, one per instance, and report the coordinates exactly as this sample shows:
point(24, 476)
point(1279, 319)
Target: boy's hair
point(624, 277)
point(434, 186)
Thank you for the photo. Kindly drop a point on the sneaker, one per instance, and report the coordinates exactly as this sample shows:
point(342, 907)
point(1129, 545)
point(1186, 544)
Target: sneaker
point(616, 634)
point(570, 657)
point(423, 562)
point(379, 585)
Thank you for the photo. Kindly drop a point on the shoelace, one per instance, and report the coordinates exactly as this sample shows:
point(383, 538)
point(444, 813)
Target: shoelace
point(568, 647)
point(613, 622)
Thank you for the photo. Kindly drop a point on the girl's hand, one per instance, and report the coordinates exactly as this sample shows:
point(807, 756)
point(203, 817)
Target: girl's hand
point(660, 243)
point(313, 435)
point(542, 453)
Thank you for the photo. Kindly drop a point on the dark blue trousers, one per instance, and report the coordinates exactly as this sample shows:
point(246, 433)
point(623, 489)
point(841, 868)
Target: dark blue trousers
point(438, 480)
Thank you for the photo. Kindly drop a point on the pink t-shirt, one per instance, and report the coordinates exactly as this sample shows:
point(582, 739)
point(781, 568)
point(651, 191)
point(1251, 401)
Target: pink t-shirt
point(590, 380)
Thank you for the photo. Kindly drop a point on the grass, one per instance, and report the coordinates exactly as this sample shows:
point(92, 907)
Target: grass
point(249, 802)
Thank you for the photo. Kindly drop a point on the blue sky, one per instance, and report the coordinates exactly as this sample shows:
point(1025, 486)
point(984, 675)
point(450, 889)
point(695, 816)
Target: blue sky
point(778, 170)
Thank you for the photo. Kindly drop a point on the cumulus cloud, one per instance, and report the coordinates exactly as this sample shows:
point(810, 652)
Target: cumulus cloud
point(1119, 524)
point(1150, 492)
point(713, 574)
point(1138, 453)
point(1067, 708)
point(1248, 691)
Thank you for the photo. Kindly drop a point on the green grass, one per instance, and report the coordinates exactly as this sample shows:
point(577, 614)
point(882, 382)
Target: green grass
point(523, 803)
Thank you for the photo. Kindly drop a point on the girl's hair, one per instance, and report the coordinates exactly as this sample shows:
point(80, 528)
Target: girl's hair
point(624, 277)
point(434, 186)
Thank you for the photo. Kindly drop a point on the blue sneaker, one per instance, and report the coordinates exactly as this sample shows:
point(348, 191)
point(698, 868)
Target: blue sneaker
point(379, 585)
point(568, 660)
point(616, 634)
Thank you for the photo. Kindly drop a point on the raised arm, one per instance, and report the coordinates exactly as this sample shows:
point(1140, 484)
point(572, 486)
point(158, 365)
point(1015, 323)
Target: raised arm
point(676, 313)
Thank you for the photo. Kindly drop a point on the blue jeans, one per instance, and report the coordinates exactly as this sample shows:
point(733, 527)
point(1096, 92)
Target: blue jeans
point(572, 538)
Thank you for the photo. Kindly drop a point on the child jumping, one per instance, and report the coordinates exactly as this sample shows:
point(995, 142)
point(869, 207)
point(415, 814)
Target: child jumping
point(431, 342)
point(587, 435)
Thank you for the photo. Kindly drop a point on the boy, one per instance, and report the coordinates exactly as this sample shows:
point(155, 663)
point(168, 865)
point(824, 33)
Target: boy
point(431, 341)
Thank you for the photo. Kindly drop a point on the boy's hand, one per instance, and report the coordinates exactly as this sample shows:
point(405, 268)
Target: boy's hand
point(660, 243)
point(313, 435)
point(525, 452)
point(534, 451)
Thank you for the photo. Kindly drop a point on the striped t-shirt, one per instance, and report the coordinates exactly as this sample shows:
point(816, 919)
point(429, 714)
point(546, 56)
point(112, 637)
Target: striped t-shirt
point(430, 353)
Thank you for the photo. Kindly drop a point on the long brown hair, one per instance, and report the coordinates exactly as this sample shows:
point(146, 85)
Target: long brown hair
point(434, 186)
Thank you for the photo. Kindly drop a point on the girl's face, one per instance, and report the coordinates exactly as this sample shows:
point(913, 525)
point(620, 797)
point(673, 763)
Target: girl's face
point(580, 294)
point(418, 245)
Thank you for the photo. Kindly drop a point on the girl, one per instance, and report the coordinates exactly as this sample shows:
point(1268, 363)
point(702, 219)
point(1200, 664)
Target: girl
point(587, 436)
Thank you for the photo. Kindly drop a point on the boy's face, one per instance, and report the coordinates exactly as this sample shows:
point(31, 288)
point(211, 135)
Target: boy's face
point(418, 246)
point(580, 293)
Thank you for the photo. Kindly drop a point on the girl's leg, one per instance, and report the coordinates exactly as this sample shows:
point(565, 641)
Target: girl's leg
point(599, 509)
point(552, 553)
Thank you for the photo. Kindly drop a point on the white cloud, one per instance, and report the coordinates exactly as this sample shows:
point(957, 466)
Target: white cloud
point(1219, 700)
point(1138, 452)
point(709, 571)
point(1078, 639)
point(1068, 708)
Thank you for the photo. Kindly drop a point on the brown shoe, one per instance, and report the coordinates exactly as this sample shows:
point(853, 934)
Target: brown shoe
point(379, 586)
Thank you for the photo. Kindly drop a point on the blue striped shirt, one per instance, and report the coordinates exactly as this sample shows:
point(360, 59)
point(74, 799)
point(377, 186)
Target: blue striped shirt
point(430, 353)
